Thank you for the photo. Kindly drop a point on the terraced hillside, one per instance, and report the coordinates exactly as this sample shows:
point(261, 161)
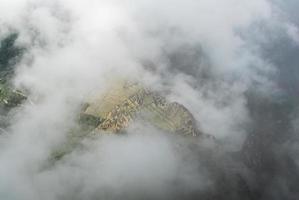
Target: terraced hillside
point(127, 101)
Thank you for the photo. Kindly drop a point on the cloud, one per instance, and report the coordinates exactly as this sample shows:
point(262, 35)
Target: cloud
point(204, 54)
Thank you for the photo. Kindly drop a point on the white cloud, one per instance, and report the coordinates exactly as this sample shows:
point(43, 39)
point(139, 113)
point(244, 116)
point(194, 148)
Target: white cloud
point(75, 47)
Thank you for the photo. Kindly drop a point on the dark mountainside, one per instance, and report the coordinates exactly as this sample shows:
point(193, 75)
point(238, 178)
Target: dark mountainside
point(10, 54)
point(265, 168)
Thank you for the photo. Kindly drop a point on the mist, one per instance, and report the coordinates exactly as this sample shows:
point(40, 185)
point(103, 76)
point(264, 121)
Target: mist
point(231, 63)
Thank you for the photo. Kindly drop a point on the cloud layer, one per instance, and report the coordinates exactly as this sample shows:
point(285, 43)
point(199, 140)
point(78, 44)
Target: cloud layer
point(209, 55)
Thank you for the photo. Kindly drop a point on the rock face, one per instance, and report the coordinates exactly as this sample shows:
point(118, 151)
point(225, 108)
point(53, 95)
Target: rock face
point(126, 101)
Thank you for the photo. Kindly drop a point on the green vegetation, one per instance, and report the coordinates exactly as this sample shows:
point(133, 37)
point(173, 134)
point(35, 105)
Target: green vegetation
point(10, 98)
point(90, 120)
point(10, 54)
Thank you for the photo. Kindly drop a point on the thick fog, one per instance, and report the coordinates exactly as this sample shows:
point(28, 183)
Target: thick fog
point(233, 64)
